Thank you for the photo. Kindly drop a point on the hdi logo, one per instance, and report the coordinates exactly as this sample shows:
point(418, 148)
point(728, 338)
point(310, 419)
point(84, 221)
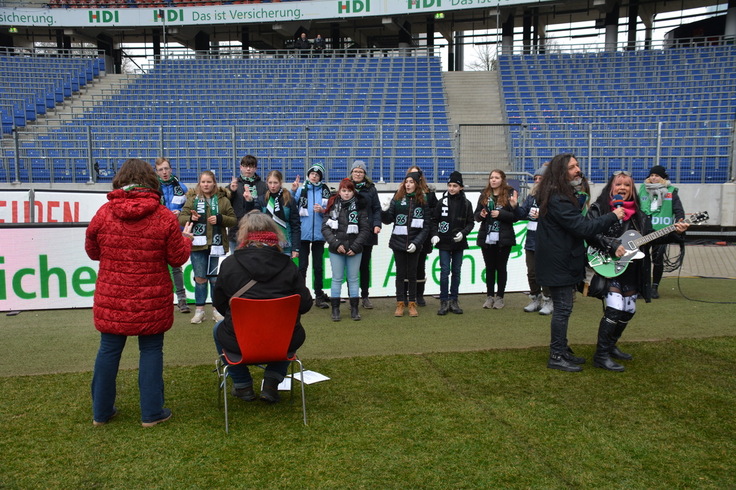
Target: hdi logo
point(353, 6)
point(103, 16)
point(424, 4)
point(168, 15)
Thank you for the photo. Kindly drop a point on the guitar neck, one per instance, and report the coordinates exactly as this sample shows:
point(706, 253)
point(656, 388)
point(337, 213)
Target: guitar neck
point(655, 234)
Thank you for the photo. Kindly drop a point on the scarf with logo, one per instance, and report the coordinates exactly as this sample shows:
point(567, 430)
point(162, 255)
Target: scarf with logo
point(304, 197)
point(352, 208)
point(179, 197)
point(275, 208)
point(200, 227)
point(401, 216)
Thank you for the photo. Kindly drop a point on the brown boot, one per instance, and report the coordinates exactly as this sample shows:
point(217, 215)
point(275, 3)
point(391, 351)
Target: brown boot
point(399, 308)
point(413, 308)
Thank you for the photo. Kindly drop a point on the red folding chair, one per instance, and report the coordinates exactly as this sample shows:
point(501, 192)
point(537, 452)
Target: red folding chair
point(263, 329)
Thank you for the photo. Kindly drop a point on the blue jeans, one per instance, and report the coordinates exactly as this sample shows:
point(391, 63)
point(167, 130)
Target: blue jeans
point(562, 301)
point(240, 372)
point(150, 376)
point(451, 261)
point(200, 260)
point(339, 263)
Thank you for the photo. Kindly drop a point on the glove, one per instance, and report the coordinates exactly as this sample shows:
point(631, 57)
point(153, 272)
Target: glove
point(458, 237)
point(435, 240)
point(411, 248)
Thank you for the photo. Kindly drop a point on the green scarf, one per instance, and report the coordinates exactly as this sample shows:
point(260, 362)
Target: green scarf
point(200, 227)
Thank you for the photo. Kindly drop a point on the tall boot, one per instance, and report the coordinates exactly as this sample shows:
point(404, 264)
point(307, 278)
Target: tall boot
point(354, 314)
point(602, 357)
point(623, 321)
point(420, 293)
point(335, 302)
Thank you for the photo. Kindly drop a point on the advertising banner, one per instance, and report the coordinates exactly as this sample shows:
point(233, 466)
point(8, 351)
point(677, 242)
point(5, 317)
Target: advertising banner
point(46, 267)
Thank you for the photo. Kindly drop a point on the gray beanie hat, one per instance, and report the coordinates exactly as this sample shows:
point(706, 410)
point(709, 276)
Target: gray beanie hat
point(359, 164)
point(540, 170)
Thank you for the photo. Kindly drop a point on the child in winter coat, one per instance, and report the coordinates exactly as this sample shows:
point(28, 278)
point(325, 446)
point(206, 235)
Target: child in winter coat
point(346, 229)
point(408, 212)
point(311, 201)
point(452, 222)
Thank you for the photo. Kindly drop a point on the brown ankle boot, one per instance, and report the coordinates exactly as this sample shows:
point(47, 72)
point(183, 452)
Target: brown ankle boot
point(399, 308)
point(413, 308)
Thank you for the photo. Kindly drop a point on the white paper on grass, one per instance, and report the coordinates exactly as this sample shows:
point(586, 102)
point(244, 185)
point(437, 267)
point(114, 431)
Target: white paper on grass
point(310, 377)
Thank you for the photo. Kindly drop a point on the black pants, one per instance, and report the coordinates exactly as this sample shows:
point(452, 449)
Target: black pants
point(318, 263)
point(496, 258)
point(406, 270)
point(365, 270)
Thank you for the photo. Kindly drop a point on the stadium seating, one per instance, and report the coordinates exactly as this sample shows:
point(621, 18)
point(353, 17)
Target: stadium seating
point(612, 108)
point(289, 112)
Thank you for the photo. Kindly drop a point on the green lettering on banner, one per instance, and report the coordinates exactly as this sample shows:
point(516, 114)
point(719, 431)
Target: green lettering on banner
point(18, 283)
point(44, 275)
point(3, 285)
point(78, 281)
point(389, 272)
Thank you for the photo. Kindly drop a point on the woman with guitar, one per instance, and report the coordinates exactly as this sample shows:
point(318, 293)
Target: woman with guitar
point(620, 292)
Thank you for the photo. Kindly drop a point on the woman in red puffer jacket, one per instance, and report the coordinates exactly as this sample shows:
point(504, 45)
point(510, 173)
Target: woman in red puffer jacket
point(135, 238)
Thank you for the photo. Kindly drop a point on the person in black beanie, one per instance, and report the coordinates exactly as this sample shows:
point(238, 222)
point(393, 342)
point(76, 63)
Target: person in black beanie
point(452, 222)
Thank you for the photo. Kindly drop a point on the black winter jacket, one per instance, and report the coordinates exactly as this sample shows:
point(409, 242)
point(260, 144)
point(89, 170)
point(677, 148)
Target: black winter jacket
point(258, 188)
point(505, 219)
point(373, 207)
point(452, 215)
point(414, 235)
point(560, 252)
point(340, 236)
point(277, 276)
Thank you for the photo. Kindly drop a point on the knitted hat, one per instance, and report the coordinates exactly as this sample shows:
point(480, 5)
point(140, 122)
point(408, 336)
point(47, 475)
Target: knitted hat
point(414, 175)
point(456, 178)
point(317, 167)
point(540, 170)
point(359, 164)
point(659, 170)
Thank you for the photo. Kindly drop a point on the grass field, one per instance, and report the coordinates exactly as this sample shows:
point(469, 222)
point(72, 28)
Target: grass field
point(434, 402)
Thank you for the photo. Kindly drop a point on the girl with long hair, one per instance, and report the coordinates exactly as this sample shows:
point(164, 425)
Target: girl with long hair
point(495, 211)
point(209, 208)
point(278, 203)
point(408, 212)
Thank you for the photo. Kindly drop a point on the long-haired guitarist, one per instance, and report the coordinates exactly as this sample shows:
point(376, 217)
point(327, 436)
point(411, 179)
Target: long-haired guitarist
point(620, 292)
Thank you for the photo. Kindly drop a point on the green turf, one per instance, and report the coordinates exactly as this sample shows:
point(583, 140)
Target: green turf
point(434, 402)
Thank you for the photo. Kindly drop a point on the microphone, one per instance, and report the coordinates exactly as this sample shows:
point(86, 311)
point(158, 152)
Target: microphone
point(618, 201)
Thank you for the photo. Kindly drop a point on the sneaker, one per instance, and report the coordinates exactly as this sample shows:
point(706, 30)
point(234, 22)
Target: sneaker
point(489, 303)
point(216, 316)
point(547, 307)
point(498, 303)
point(246, 394)
point(367, 303)
point(183, 306)
point(100, 424)
point(534, 304)
point(166, 416)
point(198, 316)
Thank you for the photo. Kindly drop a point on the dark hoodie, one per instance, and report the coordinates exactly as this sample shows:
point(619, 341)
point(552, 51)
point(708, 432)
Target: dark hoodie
point(277, 277)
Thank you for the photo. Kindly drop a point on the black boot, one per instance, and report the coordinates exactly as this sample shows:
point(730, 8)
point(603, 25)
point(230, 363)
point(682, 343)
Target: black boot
point(444, 306)
point(655, 291)
point(455, 308)
point(623, 321)
point(335, 309)
point(602, 357)
point(320, 300)
point(558, 361)
point(354, 314)
point(420, 294)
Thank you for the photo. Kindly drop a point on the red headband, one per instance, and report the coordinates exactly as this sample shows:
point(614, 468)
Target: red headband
point(266, 237)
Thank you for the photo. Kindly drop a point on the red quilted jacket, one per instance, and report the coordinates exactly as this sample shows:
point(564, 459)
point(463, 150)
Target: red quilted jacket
point(134, 237)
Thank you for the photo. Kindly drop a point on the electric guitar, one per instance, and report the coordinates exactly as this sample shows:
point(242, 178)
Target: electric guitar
point(610, 266)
